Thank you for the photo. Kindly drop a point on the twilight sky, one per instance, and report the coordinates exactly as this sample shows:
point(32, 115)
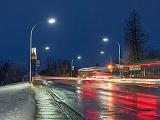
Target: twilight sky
point(80, 27)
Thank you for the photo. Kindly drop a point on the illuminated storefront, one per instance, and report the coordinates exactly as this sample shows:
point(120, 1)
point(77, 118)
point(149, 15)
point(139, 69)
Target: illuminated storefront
point(149, 69)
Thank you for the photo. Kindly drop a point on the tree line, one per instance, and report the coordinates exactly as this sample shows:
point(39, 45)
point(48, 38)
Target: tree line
point(58, 68)
point(11, 72)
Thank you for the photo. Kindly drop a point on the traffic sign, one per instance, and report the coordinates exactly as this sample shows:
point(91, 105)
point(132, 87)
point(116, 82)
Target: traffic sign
point(135, 68)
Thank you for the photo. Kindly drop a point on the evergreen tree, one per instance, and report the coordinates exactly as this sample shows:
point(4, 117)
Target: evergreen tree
point(134, 39)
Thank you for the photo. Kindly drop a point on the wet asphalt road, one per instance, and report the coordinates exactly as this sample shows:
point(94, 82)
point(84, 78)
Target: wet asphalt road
point(99, 100)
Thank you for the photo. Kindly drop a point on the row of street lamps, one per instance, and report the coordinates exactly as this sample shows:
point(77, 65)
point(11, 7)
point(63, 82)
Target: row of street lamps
point(52, 21)
point(119, 54)
point(102, 52)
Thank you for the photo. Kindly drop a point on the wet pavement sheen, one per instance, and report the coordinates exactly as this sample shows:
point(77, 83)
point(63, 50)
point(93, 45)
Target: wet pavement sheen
point(99, 100)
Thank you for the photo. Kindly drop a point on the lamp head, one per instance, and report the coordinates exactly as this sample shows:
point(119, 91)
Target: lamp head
point(51, 21)
point(105, 39)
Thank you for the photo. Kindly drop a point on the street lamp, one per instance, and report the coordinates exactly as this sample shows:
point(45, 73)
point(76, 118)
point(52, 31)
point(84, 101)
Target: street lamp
point(47, 48)
point(50, 21)
point(78, 57)
point(102, 52)
point(119, 54)
point(105, 39)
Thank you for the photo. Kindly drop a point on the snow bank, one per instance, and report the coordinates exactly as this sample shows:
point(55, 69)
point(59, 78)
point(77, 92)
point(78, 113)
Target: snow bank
point(16, 102)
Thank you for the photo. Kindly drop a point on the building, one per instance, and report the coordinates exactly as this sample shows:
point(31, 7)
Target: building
point(144, 69)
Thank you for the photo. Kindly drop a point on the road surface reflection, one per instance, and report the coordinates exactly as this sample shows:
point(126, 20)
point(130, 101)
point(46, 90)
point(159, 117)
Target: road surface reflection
point(103, 100)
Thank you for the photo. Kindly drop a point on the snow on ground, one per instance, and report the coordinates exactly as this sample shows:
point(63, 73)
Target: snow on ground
point(16, 102)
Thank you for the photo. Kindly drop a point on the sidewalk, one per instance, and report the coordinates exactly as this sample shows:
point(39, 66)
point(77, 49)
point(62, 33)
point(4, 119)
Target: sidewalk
point(16, 102)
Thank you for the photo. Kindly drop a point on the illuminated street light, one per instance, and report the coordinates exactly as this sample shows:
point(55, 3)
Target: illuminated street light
point(105, 39)
point(102, 52)
point(110, 66)
point(72, 67)
point(79, 57)
point(47, 48)
point(50, 21)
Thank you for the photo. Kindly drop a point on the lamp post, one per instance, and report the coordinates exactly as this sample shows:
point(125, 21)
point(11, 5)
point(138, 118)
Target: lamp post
point(50, 21)
point(79, 57)
point(119, 54)
point(71, 67)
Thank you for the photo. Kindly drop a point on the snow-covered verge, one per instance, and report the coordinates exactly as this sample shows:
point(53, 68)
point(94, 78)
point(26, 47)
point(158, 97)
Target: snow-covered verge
point(16, 102)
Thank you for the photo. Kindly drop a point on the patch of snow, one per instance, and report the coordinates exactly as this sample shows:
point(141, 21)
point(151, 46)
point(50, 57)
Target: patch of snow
point(16, 102)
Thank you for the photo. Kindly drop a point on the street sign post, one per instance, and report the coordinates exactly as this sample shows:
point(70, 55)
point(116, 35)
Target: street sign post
point(34, 54)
